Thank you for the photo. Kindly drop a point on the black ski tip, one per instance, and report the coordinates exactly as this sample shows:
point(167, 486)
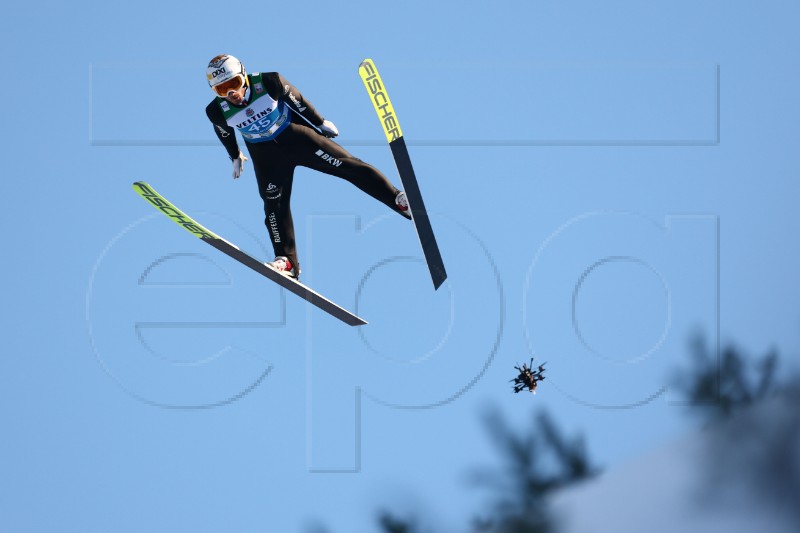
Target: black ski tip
point(438, 276)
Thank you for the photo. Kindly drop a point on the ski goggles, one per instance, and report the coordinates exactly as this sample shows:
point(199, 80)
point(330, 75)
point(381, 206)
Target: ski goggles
point(233, 84)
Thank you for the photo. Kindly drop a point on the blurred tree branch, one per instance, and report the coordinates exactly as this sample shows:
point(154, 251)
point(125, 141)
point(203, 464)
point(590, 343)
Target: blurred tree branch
point(538, 460)
point(723, 383)
point(392, 524)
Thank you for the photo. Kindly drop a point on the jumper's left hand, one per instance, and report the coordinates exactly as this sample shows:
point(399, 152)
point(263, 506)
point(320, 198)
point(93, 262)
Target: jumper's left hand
point(328, 129)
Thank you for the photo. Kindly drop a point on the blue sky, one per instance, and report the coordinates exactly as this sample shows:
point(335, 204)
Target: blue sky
point(604, 180)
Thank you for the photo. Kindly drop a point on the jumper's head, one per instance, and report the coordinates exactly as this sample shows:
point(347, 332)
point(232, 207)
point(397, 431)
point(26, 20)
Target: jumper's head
point(226, 75)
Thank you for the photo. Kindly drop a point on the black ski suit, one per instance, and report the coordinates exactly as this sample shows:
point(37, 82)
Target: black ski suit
point(298, 143)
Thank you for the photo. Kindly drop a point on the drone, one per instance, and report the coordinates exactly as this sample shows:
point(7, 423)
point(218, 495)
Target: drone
point(528, 378)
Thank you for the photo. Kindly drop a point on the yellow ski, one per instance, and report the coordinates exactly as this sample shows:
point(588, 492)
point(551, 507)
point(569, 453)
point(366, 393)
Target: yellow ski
point(394, 136)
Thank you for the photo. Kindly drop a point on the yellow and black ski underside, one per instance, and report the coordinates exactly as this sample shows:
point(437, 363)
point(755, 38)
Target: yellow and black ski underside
point(394, 135)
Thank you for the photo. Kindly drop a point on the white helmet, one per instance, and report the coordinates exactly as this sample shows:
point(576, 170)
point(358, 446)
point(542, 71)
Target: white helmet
point(224, 68)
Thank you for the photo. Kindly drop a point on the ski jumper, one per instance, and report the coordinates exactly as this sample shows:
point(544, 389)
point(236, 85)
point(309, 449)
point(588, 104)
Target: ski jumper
point(278, 141)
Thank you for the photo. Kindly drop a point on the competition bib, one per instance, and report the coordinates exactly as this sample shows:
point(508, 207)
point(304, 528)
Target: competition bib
point(262, 119)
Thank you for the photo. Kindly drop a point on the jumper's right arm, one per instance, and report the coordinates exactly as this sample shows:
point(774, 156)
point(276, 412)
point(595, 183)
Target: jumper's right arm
point(225, 134)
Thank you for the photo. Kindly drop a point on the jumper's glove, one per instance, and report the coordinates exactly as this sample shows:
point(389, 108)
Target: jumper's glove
point(328, 129)
point(238, 165)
